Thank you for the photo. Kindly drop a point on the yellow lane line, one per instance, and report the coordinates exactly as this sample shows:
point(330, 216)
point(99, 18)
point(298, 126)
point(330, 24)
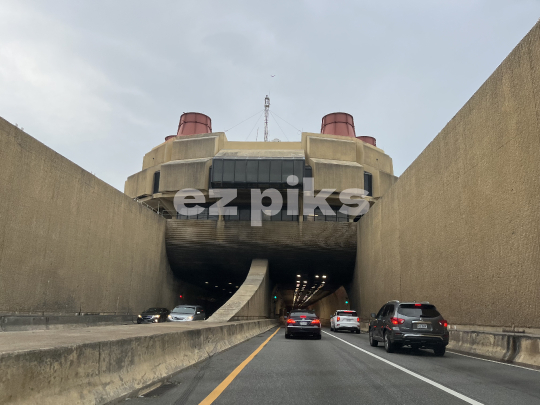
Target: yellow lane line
point(225, 383)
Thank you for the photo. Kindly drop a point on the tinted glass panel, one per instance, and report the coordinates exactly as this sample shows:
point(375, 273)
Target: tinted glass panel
point(425, 311)
point(264, 171)
point(217, 170)
point(184, 310)
point(389, 310)
point(300, 314)
point(348, 313)
point(275, 171)
point(228, 171)
point(203, 215)
point(368, 183)
point(232, 217)
point(252, 169)
point(245, 213)
point(287, 169)
point(299, 170)
point(308, 172)
point(342, 217)
point(240, 171)
point(156, 182)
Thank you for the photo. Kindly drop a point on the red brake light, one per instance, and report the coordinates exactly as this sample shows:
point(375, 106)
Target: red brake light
point(417, 305)
point(357, 319)
point(338, 318)
point(443, 323)
point(315, 322)
point(397, 321)
point(302, 316)
point(291, 320)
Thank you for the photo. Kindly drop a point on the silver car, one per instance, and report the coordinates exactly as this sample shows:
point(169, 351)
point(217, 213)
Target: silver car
point(186, 313)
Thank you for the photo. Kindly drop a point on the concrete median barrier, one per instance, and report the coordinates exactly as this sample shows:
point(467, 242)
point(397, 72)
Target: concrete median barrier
point(85, 367)
point(507, 347)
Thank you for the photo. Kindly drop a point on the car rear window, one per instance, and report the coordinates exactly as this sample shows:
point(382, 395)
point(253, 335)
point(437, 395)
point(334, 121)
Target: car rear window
point(413, 310)
point(184, 310)
point(348, 313)
point(300, 314)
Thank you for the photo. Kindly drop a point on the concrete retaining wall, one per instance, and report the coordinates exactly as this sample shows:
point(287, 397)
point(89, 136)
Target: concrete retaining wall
point(460, 227)
point(252, 300)
point(99, 372)
point(70, 243)
point(327, 306)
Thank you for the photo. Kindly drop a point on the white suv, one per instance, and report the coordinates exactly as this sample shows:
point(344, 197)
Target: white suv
point(345, 320)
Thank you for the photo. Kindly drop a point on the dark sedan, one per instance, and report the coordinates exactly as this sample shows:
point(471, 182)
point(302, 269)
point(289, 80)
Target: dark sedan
point(303, 322)
point(153, 315)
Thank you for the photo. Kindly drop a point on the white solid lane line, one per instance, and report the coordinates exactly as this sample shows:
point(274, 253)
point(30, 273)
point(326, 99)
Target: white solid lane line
point(493, 361)
point(427, 380)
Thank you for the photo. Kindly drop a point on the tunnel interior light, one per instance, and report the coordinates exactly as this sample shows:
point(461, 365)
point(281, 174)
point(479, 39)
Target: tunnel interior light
point(305, 282)
point(316, 276)
point(206, 282)
point(346, 302)
point(230, 283)
point(298, 275)
point(323, 276)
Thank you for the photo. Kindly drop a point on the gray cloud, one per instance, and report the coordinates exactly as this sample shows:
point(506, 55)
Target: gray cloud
point(103, 82)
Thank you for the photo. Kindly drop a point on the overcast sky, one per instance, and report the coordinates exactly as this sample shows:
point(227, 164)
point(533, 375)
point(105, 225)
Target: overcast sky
point(103, 82)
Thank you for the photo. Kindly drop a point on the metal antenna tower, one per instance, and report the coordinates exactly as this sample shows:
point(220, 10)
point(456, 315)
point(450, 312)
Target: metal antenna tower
point(266, 111)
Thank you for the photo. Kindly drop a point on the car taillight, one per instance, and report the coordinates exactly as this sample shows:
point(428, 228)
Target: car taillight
point(290, 321)
point(315, 322)
point(338, 318)
point(357, 319)
point(417, 305)
point(397, 321)
point(302, 316)
point(443, 323)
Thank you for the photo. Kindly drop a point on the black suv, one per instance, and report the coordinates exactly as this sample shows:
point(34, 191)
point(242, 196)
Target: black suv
point(415, 324)
point(303, 322)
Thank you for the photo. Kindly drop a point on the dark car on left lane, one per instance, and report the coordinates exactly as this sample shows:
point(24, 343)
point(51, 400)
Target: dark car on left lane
point(303, 322)
point(153, 315)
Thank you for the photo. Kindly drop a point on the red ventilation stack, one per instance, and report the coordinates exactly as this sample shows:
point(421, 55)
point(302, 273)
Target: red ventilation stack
point(193, 123)
point(341, 123)
point(338, 123)
point(368, 139)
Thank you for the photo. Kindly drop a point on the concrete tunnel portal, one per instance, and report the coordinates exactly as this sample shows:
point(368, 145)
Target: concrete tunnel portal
point(216, 256)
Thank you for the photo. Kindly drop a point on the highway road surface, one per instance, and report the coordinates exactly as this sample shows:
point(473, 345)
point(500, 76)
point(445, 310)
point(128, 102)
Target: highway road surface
point(342, 368)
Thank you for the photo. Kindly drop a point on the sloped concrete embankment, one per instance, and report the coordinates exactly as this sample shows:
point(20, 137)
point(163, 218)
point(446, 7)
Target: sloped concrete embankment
point(252, 300)
point(102, 371)
point(507, 347)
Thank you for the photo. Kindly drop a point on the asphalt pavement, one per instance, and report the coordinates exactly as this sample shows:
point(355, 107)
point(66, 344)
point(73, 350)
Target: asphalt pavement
point(343, 368)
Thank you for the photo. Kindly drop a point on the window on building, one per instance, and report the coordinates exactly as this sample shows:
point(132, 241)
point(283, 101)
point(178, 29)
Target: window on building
point(156, 183)
point(368, 183)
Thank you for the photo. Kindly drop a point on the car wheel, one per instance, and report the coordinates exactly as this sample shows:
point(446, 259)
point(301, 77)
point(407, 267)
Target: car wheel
point(439, 351)
point(388, 346)
point(372, 341)
point(357, 331)
point(318, 337)
point(331, 329)
point(415, 347)
point(287, 336)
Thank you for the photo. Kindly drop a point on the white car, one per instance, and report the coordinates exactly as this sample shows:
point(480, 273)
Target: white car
point(345, 319)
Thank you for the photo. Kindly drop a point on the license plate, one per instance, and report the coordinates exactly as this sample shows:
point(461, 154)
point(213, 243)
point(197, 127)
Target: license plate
point(421, 326)
point(303, 323)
